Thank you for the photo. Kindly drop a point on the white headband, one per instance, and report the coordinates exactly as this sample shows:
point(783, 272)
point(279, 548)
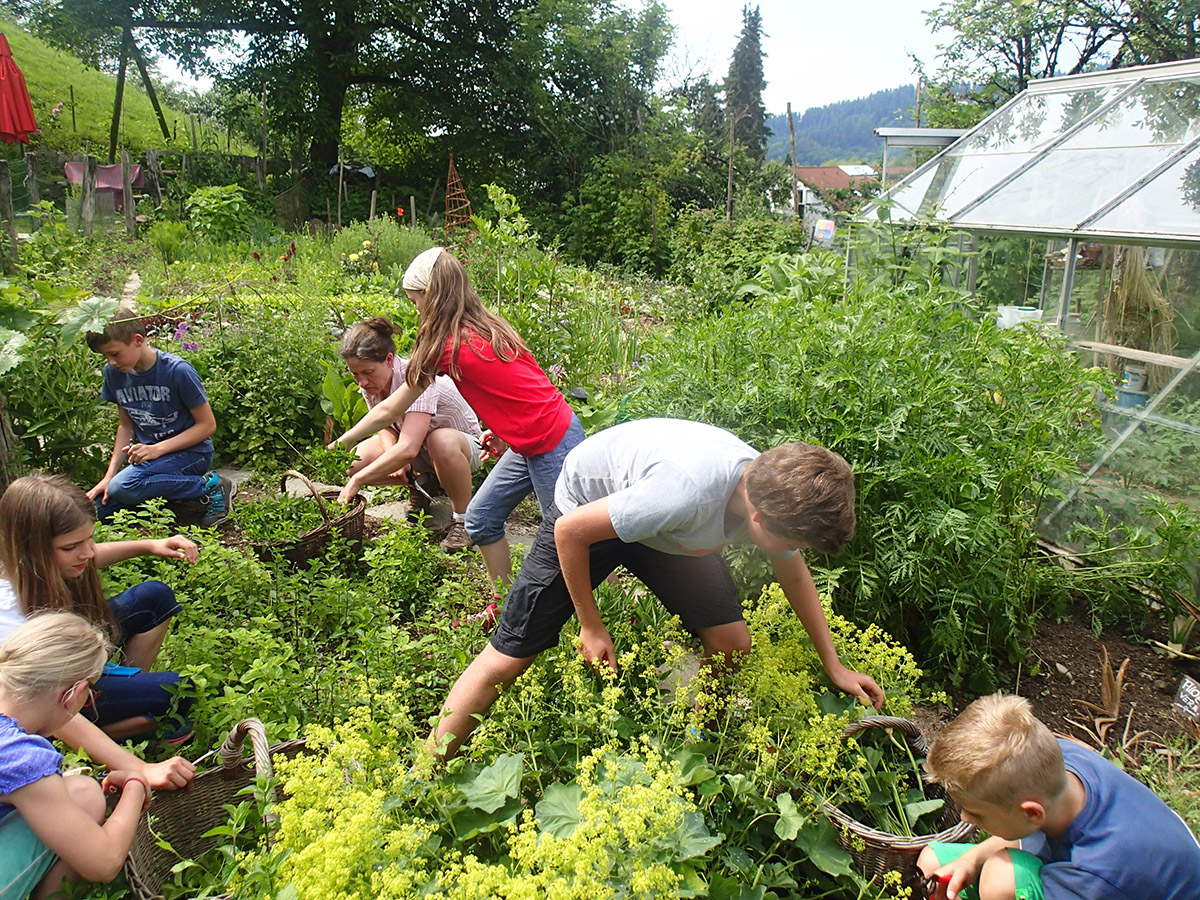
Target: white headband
point(416, 276)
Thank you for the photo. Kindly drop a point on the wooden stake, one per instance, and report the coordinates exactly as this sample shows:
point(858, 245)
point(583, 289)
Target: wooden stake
point(87, 204)
point(795, 180)
point(154, 177)
point(31, 185)
point(127, 195)
point(116, 116)
point(6, 210)
point(372, 215)
point(341, 169)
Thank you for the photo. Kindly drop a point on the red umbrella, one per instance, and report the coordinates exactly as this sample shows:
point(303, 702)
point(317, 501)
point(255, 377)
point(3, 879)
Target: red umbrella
point(16, 112)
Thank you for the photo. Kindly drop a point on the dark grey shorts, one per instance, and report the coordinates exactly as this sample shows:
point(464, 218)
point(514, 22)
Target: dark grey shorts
point(698, 589)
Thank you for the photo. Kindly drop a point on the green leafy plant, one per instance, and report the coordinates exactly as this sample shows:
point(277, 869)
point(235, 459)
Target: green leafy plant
point(342, 399)
point(219, 213)
point(276, 520)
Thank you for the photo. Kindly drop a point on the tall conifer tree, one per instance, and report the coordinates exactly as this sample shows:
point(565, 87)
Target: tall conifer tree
point(744, 86)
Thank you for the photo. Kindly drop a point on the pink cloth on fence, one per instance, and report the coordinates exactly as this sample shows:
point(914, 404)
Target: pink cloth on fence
point(108, 178)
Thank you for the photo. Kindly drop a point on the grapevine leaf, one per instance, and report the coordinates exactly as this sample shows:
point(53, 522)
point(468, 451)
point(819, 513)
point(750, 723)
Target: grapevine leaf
point(11, 349)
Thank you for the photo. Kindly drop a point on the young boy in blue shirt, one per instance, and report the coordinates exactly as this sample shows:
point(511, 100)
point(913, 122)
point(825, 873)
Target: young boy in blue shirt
point(164, 428)
point(1064, 822)
point(660, 497)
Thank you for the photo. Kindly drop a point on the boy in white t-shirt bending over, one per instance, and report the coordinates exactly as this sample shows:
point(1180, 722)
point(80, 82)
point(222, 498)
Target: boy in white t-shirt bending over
point(659, 497)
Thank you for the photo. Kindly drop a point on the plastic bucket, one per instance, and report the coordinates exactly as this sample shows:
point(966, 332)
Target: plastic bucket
point(1131, 399)
point(1134, 379)
point(1010, 316)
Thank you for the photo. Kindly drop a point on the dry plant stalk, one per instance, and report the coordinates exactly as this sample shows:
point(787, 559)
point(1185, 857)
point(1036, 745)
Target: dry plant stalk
point(1136, 314)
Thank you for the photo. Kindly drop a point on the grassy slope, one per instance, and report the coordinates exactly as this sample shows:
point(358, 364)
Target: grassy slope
point(50, 74)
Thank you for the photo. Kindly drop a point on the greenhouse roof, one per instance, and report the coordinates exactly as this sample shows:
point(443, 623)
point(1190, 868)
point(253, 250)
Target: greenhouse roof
point(1106, 155)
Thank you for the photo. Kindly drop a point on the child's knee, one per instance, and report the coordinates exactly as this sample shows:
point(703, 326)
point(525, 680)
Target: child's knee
point(997, 880)
point(86, 794)
point(927, 862)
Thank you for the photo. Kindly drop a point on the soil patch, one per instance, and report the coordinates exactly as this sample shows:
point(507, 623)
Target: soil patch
point(1066, 666)
point(1067, 662)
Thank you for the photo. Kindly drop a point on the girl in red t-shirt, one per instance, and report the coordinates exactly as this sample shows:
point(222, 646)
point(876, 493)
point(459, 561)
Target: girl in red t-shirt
point(498, 377)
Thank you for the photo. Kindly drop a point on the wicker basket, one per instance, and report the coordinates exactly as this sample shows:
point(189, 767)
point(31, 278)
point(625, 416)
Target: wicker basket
point(310, 543)
point(182, 817)
point(875, 851)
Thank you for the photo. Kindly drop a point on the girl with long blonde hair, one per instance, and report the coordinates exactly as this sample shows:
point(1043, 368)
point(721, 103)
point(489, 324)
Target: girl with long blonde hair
point(496, 374)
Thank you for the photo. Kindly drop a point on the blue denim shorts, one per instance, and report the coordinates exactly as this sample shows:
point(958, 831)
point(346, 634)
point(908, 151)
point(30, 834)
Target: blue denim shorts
point(123, 693)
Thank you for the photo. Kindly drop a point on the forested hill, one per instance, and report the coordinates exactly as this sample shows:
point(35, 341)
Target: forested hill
point(842, 131)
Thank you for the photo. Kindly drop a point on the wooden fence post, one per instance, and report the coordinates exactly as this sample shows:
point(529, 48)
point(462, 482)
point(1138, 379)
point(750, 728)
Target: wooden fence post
point(372, 213)
point(87, 203)
point(31, 185)
point(6, 210)
point(127, 195)
point(154, 177)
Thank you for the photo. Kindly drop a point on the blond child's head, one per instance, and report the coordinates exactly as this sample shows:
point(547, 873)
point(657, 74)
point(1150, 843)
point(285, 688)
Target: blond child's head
point(997, 752)
point(51, 651)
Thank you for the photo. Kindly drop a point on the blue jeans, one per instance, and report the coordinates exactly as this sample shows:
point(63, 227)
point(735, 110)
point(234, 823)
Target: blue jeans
point(124, 694)
point(511, 480)
point(176, 476)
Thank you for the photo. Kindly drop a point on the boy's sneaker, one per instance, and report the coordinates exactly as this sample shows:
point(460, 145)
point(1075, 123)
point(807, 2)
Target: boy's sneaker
point(456, 538)
point(218, 495)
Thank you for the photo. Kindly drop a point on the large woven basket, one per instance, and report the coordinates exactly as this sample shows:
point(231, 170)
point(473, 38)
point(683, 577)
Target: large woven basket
point(182, 817)
point(312, 542)
point(877, 852)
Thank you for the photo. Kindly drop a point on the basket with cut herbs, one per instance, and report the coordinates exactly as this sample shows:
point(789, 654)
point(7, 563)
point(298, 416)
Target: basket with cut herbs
point(884, 809)
point(298, 528)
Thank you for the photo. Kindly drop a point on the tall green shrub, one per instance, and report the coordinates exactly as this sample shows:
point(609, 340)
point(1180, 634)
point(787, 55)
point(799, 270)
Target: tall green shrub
point(955, 430)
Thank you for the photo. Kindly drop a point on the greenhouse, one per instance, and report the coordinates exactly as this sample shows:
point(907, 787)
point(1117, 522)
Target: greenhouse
point(1081, 197)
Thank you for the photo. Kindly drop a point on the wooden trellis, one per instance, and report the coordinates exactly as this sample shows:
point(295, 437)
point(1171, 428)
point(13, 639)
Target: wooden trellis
point(458, 207)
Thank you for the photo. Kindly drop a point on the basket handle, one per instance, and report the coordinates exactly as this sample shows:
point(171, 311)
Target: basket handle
point(311, 487)
point(231, 750)
point(907, 727)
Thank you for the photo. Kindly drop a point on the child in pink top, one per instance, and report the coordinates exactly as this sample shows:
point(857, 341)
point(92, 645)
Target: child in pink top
point(499, 378)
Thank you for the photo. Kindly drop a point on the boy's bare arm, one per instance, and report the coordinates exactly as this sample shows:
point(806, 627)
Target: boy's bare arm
point(574, 533)
point(801, 593)
point(204, 427)
point(120, 442)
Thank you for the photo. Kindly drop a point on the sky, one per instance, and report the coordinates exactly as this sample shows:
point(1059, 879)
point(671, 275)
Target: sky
point(817, 52)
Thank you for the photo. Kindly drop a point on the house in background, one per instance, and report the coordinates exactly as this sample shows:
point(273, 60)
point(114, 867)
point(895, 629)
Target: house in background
point(825, 190)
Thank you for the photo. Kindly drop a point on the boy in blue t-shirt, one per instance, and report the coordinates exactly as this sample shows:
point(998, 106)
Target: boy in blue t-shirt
point(164, 429)
point(1065, 823)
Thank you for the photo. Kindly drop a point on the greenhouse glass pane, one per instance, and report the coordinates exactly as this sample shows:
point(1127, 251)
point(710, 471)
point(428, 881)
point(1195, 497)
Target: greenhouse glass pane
point(1000, 147)
point(1065, 187)
point(1161, 113)
point(1034, 120)
point(908, 197)
point(1170, 204)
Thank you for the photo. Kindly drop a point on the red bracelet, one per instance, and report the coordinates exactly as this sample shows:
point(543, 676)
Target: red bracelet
point(139, 780)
